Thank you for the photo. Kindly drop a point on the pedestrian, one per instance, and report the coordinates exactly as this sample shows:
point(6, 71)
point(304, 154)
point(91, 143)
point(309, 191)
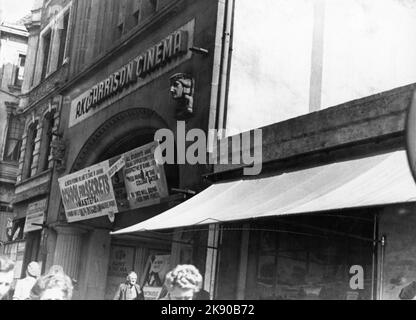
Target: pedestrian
point(129, 290)
point(183, 283)
point(24, 286)
point(54, 285)
point(6, 277)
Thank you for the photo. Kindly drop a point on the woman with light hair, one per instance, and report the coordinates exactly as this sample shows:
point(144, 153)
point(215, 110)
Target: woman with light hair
point(55, 285)
point(183, 283)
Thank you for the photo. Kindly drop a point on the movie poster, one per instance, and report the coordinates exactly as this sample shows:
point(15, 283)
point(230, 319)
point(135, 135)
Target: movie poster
point(145, 179)
point(156, 269)
point(35, 216)
point(88, 193)
point(120, 264)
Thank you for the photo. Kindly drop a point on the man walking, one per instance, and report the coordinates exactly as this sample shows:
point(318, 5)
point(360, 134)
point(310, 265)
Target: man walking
point(129, 290)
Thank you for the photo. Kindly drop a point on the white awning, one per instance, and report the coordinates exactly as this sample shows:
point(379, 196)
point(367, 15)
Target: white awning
point(372, 181)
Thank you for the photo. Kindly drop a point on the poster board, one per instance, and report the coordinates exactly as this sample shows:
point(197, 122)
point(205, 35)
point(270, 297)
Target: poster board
point(157, 267)
point(145, 179)
point(88, 193)
point(129, 181)
point(35, 216)
point(120, 264)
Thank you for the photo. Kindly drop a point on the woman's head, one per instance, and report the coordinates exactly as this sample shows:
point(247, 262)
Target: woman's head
point(183, 282)
point(53, 286)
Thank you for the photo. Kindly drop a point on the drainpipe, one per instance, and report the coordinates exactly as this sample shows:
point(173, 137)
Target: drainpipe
point(382, 257)
point(225, 64)
point(216, 71)
point(374, 262)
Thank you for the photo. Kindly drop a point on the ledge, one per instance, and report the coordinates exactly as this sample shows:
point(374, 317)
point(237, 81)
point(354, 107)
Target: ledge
point(354, 122)
point(32, 187)
point(8, 172)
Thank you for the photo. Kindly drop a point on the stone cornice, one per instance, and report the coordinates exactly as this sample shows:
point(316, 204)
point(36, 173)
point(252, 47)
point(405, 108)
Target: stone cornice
point(351, 123)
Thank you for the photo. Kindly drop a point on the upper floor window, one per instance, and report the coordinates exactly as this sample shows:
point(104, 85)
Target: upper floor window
point(46, 140)
point(14, 139)
point(30, 148)
point(53, 47)
point(148, 8)
point(20, 70)
point(63, 36)
point(131, 13)
point(46, 44)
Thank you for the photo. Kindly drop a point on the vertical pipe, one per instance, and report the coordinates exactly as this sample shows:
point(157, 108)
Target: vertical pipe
point(315, 93)
point(225, 63)
point(242, 272)
point(374, 262)
point(383, 251)
point(211, 259)
point(216, 70)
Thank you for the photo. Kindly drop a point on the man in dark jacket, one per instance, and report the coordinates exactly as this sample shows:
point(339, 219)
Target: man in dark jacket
point(129, 290)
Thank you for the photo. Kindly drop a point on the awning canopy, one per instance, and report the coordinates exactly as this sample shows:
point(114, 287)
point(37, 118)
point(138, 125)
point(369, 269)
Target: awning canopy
point(372, 181)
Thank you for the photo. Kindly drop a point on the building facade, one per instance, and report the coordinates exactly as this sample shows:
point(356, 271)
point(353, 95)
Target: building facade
point(330, 216)
point(39, 107)
point(13, 47)
point(126, 59)
point(343, 208)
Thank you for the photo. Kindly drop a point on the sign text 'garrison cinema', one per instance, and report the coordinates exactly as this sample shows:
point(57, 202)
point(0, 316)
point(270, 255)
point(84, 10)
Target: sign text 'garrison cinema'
point(138, 68)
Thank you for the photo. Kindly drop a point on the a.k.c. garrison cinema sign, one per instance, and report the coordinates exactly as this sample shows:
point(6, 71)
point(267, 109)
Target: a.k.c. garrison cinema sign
point(159, 58)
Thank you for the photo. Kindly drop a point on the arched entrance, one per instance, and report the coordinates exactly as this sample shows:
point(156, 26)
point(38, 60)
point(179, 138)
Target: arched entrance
point(124, 132)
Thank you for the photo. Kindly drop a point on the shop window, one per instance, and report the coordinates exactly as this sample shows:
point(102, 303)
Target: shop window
point(15, 246)
point(14, 139)
point(63, 33)
point(48, 124)
point(310, 258)
point(30, 148)
point(46, 43)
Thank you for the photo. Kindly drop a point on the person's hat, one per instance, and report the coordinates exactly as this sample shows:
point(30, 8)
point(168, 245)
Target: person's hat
point(33, 269)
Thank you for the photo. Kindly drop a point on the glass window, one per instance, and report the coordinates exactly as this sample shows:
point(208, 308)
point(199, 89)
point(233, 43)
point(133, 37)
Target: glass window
point(46, 53)
point(63, 38)
point(48, 124)
point(14, 139)
point(20, 70)
point(315, 258)
point(30, 147)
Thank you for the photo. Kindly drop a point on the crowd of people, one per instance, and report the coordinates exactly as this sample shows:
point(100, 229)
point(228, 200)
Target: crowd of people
point(182, 283)
point(54, 285)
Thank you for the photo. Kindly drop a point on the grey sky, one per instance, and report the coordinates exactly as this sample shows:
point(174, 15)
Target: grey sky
point(13, 10)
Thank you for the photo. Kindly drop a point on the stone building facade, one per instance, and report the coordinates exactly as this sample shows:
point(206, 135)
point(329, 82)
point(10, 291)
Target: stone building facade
point(13, 47)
